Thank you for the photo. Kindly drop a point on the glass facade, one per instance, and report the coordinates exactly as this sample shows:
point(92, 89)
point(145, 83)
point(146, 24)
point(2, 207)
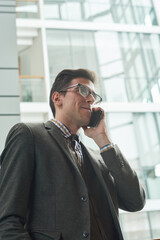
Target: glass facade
point(131, 61)
point(27, 9)
point(127, 64)
point(32, 90)
point(110, 11)
point(141, 144)
point(31, 67)
point(71, 49)
point(141, 225)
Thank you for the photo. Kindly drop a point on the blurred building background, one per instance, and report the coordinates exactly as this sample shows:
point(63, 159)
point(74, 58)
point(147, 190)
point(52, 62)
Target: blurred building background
point(120, 41)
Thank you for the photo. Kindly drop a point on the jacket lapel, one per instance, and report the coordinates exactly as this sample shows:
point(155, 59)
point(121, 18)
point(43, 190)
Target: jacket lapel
point(58, 137)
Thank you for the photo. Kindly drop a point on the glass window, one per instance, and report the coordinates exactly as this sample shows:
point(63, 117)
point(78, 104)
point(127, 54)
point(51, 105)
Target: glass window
point(119, 94)
point(27, 9)
point(32, 89)
point(59, 51)
point(51, 11)
point(121, 129)
point(73, 15)
point(154, 219)
point(135, 226)
point(142, 225)
point(128, 12)
point(71, 49)
point(131, 59)
point(140, 143)
point(31, 70)
point(148, 137)
point(127, 63)
point(83, 50)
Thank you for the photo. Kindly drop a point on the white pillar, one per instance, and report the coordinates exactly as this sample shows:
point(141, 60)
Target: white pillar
point(9, 87)
point(45, 54)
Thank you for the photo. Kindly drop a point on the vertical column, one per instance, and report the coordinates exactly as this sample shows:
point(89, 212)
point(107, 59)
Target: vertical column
point(9, 88)
point(156, 5)
point(45, 54)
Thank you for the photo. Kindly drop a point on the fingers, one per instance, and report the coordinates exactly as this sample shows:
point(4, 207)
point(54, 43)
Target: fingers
point(97, 108)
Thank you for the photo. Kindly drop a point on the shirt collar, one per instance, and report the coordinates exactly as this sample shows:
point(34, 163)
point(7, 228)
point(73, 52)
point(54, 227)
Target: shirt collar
point(64, 130)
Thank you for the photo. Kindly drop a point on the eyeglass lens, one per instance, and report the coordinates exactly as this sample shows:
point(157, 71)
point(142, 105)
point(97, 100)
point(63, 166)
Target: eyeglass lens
point(84, 91)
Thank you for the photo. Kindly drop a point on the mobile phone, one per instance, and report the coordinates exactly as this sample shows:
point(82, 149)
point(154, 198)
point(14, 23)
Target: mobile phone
point(95, 118)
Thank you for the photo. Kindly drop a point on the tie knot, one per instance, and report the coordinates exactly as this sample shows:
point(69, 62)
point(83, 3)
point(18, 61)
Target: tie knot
point(76, 146)
point(75, 142)
point(74, 137)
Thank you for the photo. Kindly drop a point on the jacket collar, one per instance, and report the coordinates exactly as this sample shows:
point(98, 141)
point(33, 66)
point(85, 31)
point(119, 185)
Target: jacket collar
point(55, 133)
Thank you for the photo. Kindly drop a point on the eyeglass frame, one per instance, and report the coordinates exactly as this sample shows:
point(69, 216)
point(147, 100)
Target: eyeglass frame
point(89, 92)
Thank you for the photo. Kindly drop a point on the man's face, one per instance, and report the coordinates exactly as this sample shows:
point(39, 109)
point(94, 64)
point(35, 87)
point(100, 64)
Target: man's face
point(76, 109)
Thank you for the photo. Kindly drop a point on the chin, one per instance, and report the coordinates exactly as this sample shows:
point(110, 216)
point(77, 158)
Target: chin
point(85, 123)
point(84, 120)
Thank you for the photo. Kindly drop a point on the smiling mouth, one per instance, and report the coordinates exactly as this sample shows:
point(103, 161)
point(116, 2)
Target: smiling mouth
point(88, 109)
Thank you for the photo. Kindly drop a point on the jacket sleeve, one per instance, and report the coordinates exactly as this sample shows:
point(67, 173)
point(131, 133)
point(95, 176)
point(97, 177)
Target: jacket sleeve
point(17, 166)
point(130, 193)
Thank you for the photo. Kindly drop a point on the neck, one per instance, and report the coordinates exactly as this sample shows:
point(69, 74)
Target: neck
point(69, 124)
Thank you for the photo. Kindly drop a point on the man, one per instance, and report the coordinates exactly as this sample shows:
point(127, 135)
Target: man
point(51, 186)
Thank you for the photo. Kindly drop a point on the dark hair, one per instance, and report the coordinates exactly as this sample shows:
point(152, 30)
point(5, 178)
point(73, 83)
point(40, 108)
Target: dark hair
point(65, 77)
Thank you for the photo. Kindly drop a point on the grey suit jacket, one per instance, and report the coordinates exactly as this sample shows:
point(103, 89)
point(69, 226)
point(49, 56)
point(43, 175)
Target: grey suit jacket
point(42, 191)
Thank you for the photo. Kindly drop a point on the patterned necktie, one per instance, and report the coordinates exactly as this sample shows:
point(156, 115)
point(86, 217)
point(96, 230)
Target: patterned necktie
point(76, 146)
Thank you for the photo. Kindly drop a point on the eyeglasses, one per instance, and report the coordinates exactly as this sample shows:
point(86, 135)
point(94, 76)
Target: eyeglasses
point(85, 92)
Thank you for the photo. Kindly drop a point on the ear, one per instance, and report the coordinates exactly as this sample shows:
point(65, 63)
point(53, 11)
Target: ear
point(57, 98)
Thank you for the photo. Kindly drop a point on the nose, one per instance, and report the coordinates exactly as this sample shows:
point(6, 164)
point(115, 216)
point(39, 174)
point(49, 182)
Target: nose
point(90, 99)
